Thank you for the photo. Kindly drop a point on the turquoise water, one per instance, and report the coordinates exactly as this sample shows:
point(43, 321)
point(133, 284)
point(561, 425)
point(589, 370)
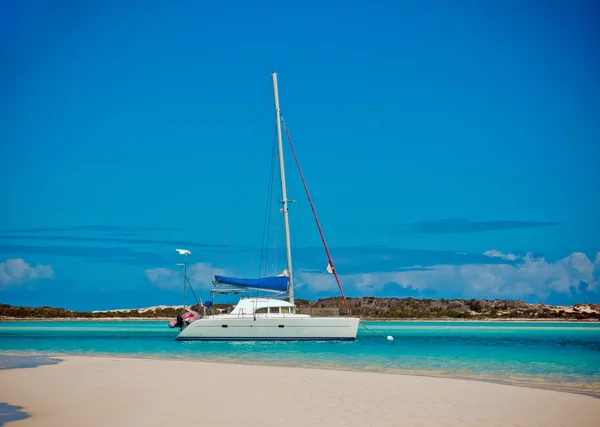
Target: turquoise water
point(10, 413)
point(561, 355)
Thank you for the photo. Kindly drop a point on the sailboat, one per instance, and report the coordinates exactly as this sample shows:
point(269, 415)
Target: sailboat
point(262, 318)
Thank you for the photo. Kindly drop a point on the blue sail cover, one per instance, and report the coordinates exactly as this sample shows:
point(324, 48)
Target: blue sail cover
point(273, 283)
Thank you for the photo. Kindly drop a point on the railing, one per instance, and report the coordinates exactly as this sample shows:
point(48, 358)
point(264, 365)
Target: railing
point(242, 315)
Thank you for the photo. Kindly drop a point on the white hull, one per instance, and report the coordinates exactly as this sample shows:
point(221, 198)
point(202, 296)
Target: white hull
point(289, 328)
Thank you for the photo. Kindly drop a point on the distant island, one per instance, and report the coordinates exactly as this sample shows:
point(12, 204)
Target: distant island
point(368, 308)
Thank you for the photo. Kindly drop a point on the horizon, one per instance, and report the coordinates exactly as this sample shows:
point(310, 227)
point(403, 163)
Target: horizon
point(451, 151)
point(305, 300)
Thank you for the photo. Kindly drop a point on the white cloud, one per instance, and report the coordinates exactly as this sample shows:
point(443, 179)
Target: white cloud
point(528, 276)
point(16, 271)
point(164, 278)
point(315, 282)
point(200, 275)
point(493, 253)
point(519, 277)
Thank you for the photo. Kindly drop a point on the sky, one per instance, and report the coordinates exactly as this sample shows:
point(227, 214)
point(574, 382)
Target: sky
point(451, 148)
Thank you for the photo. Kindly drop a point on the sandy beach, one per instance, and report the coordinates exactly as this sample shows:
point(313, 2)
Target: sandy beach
point(110, 391)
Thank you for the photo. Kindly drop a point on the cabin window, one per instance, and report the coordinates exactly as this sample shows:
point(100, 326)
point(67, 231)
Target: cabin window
point(293, 310)
point(274, 310)
point(261, 310)
point(285, 309)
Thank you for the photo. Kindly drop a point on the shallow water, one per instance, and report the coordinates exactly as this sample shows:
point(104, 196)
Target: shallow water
point(10, 413)
point(560, 355)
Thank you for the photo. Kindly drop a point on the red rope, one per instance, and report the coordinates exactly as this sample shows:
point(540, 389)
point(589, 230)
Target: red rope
point(337, 279)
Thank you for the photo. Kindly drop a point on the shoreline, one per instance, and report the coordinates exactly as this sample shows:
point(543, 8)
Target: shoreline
point(120, 390)
point(407, 320)
point(523, 381)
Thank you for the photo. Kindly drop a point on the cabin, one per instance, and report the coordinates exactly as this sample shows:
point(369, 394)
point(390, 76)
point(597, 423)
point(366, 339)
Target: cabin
point(267, 307)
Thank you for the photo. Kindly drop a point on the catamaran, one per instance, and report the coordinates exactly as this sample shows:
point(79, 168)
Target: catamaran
point(262, 318)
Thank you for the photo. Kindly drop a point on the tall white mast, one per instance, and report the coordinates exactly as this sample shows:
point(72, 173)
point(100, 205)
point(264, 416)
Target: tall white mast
point(284, 200)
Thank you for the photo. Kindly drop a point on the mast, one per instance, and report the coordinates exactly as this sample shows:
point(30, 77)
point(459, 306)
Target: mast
point(284, 200)
point(184, 280)
point(185, 254)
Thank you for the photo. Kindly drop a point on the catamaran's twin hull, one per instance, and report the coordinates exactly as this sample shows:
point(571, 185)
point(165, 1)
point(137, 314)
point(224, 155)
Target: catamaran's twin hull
point(271, 329)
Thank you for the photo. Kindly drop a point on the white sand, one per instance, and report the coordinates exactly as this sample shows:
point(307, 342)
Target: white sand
point(97, 391)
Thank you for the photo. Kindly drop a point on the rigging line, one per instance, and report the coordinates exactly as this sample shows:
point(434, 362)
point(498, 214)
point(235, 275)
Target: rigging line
point(294, 216)
point(274, 258)
point(278, 222)
point(192, 289)
point(269, 207)
point(228, 227)
point(337, 279)
point(267, 223)
point(274, 222)
point(297, 226)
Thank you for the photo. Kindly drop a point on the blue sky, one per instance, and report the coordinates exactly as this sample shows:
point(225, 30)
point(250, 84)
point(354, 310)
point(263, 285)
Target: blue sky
point(451, 148)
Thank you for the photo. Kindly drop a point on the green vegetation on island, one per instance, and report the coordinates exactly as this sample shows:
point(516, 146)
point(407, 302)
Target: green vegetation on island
point(411, 308)
point(367, 308)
